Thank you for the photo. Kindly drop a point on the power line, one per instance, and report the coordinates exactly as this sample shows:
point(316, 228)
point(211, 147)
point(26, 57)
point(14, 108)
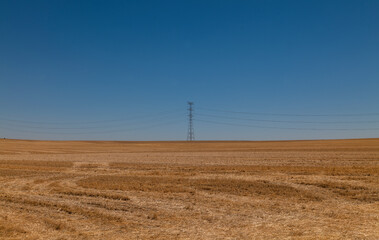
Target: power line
point(91, 122)
point(86, 127)
point(161, 119)
point(96, 132)
point(291, 115)
point(142, 122)
point(283, 121)
point(288, 128)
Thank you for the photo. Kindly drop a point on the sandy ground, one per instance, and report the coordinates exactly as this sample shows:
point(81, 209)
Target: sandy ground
point(189, 190)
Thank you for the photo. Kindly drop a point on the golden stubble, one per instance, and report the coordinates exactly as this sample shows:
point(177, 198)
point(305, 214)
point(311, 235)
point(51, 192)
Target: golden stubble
point(181, 190)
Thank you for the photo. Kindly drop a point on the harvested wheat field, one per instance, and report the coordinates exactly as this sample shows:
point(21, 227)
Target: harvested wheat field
point(325, 189)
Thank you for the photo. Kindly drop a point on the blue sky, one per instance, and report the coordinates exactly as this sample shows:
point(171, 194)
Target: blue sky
point(124, 70)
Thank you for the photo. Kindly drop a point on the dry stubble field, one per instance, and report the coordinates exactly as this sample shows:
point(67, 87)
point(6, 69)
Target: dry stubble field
point(189, 190)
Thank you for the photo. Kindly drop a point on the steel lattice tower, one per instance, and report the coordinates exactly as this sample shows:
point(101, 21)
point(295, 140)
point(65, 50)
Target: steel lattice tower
point(190, 134)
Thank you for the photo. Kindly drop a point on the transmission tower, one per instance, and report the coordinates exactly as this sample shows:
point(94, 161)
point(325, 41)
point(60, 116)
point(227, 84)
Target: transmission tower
point(190, 134)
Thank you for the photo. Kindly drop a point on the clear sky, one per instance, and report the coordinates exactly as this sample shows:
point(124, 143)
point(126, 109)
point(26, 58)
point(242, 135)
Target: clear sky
point(125, 70)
